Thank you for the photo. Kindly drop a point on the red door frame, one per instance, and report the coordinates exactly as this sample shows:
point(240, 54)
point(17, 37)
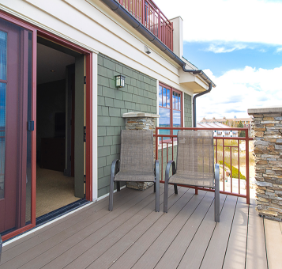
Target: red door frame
point(35, 32)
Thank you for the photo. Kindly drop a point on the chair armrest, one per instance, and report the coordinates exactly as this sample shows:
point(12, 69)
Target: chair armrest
point(216, 171)
point(169, 164)
point(115, 167)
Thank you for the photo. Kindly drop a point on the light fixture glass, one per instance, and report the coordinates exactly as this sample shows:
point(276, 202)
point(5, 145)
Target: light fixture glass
point(120, 81)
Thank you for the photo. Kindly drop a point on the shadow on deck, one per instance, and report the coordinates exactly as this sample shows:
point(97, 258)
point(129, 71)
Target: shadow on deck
point(134, 236)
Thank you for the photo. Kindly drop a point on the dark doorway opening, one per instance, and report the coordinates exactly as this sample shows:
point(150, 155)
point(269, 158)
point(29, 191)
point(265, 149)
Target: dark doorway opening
point(59, 149)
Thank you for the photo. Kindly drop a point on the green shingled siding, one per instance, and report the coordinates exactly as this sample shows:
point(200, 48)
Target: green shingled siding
point(139, 94)
point(187, 110)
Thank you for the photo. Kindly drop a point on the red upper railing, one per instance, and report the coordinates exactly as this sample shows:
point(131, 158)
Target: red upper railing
point(228, 152)
point(147, 12)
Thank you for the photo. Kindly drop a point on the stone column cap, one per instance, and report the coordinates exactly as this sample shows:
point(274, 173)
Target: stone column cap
point(265, 110)
point(139, 115)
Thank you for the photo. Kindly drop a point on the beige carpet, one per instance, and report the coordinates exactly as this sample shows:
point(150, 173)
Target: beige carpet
point(53, 190)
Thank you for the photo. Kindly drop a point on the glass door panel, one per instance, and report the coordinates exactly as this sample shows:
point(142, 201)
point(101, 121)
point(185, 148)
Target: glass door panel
point(15, 83)
point(2, 137)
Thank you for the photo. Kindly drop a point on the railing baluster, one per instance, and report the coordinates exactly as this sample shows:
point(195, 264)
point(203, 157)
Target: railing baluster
point(239, 180)
point(162, 157)
point(143, 12)
point(159, 25)
point(231, 169)
point(223, 166)
point(247, 167)
point(216, 151)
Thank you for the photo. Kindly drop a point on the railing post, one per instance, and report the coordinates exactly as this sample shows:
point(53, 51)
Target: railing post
point(171, 36)
point(143, 12)
point(247, 167)
point(159, 24)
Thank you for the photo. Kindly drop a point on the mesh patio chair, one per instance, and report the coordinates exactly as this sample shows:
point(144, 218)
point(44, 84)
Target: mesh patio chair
point(136, 163)
point(194, 165)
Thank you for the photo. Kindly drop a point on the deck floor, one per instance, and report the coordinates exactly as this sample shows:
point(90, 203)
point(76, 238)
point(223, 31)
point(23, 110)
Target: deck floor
point(134, 236)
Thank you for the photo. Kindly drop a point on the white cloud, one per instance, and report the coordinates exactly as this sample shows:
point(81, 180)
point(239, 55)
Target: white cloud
point(238, 90)
point(223, 49)
point(227, 20)
point(279, 49)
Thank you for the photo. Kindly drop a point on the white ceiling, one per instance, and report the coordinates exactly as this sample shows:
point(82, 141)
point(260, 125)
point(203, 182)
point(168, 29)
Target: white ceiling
point(50, 59)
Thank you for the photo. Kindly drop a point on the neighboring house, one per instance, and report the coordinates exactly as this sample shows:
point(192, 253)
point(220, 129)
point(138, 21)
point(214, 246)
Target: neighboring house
point(219, 133)
point(61, 112)
point(232, 122)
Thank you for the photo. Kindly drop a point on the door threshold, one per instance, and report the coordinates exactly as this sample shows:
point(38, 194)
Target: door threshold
point(49, 218)
point(60, 212)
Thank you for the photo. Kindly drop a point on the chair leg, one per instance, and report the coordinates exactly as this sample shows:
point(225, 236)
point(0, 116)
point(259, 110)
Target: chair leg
point(111, 194)
point(165, 196)
point(217, 197)
point(175, 189)
point(154, 186)
point(157, 199)
point(118, 186)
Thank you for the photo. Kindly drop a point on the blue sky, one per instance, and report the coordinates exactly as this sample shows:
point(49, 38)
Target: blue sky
point(238, 44)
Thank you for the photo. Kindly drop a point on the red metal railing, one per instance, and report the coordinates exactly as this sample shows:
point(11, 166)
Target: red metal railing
point(147, 12)
point(224, 146)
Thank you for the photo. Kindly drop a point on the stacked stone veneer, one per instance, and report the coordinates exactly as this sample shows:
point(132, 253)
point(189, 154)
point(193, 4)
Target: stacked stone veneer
point(267, 126)
point(140, 121)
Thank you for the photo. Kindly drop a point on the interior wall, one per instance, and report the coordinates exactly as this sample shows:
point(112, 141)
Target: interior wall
point(50, 100)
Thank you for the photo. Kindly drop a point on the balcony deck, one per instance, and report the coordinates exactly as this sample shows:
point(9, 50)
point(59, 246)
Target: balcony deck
point(134, 236)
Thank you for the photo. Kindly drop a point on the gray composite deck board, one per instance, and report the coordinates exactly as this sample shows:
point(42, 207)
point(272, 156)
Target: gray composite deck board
point(24, 244)
point(154, 253)
point(174, 253)
point(83, 232)
point(95, 245)
point(118, 237)
point(256, 255)
point(139, 246)
point(235, 257)
point(273, 237)
point(74, 233)
point(197, 247)
point(133, 235)
point(217, 246)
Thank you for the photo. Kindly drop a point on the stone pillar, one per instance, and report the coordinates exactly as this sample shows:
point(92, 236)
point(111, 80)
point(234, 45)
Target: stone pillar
point(140, 121)
point(267, 126)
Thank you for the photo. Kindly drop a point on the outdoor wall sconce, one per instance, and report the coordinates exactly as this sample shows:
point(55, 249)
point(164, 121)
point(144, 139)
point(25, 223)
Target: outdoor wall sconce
point(120, 81)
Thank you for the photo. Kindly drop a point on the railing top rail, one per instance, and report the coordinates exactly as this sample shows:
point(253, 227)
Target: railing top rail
point(191, 128)
point(215, 137)
point(246, 137)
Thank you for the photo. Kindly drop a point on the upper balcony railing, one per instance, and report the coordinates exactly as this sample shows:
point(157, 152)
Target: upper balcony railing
point(147, 12)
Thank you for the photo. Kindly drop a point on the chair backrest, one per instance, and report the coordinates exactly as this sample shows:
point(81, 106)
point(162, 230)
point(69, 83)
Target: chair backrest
point(195, 153)
point(137, 151)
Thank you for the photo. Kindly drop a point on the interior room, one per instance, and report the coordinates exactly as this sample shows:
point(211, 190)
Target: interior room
point(55, 182)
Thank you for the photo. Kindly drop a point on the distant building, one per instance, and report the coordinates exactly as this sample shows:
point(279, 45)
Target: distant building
point(219, 133)
point(232, 122)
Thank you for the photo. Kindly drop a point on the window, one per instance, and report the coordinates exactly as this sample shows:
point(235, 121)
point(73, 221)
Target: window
point(170, 109)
